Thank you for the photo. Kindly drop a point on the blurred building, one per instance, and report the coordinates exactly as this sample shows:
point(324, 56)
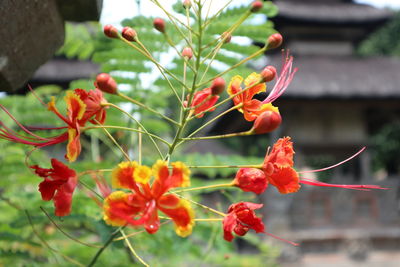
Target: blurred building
point(333, 106)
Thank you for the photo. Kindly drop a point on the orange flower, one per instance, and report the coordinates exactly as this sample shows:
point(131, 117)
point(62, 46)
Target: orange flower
point(141, 205)
point(82, 107)
point(251, 108)
point(58, 185)
point(278, 168)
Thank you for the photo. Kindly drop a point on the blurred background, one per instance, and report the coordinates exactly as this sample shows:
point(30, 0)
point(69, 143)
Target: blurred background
point(346, 95)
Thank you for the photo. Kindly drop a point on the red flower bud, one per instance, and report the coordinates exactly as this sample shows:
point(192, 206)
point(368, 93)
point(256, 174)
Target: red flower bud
point(129, 34)
point(256, 6)
point(218, 86)
point(110, 31)
point(227, 37)
point(251, 180)
point(268, 73)
point(187, 4)
point(106, 83)
point(274, 41)
point(187, 53)
point(240, 229)
point(159, 25)
point(266, 122)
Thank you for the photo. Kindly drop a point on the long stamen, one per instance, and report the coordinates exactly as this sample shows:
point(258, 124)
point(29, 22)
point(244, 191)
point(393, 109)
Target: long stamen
point(281, 239)
point(337, 164)
point(347, 186)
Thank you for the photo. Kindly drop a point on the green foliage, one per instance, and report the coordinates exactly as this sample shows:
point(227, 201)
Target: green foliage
point(385, 41)
point(386, 148)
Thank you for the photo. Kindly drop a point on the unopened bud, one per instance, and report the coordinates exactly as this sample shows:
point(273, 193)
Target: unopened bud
point(159, 25)
point(266, 122)
point(187, 53)
point(251, 180)
point(274, 41)
point(256, 6)
point(218, 86)
point(187, 4)
point(129, 34)
point(268, 73)
point(241, 230)
point(226, 36)
point(110, 31)
point(106, 83)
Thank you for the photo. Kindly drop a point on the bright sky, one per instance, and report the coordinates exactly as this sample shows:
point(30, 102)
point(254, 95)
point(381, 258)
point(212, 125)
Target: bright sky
point(116, 10)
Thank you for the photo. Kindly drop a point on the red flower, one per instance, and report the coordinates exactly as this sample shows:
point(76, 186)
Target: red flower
point(93, 100)
point(58, 185)
point(82, 107)
point(251, 180)
point(202, 101)
point(251, 108)
point(278, 168)
point(240, 219)
point(140, 207)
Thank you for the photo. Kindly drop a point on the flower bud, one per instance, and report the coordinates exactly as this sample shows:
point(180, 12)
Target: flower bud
point(240, 229)
point(159, 25)
point(110, 31)
point(218, 86)
point(227, 37)
point(187, 4)
point(251, 180)
point(187, 53)
point(274, 41)
point(256, 6)
point(268, 73)
point(266, 122)
point(106, 83)
point(129, 34)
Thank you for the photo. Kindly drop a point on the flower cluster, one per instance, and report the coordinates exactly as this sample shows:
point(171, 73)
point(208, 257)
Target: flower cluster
point(142, 196)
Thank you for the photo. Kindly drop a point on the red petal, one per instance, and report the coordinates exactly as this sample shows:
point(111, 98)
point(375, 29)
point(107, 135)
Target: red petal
point(285, 179)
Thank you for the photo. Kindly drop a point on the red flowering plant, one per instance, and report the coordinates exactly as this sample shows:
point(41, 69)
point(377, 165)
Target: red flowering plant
point(133, 195)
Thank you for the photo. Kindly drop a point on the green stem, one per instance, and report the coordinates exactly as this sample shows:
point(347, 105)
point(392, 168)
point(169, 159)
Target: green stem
point(208, 219)
point(219, 136)
point(113, 140)
point(151, 136)
point(215, 118)
point(100, 251)
point(173, 19)
point(125, 129)
point(203, 187)
point(160, 68)
point(128, 243)
point(145, 107)
point(201, 205)
point(187, 112)
point(262, 50)
point(257, 166)
point(65, 233)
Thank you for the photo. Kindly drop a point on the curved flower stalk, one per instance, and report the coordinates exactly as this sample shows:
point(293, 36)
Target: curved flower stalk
point(82, 107)
point(140, 207)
